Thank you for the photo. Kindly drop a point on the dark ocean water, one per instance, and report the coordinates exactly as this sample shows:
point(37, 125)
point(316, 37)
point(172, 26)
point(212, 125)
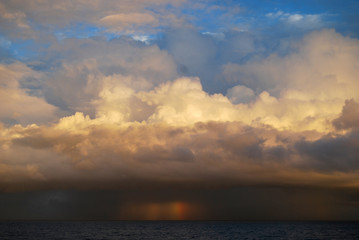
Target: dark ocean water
point(177, 230)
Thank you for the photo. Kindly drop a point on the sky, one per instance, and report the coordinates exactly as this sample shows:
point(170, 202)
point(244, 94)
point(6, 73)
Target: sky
point(179, 110)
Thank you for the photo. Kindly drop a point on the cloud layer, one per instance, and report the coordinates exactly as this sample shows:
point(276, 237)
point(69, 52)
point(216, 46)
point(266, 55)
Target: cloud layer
point(141, 122)
point(145, 99)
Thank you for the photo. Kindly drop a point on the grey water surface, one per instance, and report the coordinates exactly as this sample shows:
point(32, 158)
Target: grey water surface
point(177, 230)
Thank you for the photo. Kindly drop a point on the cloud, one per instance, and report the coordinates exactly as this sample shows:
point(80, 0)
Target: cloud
point(349, 116)
point(115, 156)
point(306, 21)
point(184, 102)
point(143, 107)
point(134, 118)
point(16, 104)
point(116, 16)
point(119, 22)
point(131, 119)
point(138, 119)
point(85, 70)
point(311, 82)
point(240, 94)
point(332, 153)
point(203, 54)
point(318, 53)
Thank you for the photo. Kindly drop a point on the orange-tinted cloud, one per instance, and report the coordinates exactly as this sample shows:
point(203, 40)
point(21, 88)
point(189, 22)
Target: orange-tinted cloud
point(117, 16)
point(137, 127)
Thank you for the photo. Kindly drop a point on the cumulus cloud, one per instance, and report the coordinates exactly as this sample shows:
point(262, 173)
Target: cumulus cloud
point(113, 156)
point(84, 76)
point(133, 119)
point(184, 102)
point(309, 84)
point(137, 120)
point(325, 55)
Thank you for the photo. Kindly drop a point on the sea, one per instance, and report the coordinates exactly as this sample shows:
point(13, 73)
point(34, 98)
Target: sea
point(88, 230)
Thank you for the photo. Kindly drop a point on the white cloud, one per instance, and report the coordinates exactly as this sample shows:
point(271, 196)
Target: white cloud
point(184, 102)
point(307, 21)
point(295, 18)
point(142, 38)
point(310, 85)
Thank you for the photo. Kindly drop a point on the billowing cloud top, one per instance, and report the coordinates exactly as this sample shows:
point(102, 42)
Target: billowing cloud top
point(126, 94)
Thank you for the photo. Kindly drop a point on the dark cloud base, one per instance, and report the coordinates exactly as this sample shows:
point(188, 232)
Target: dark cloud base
point(240, 203)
